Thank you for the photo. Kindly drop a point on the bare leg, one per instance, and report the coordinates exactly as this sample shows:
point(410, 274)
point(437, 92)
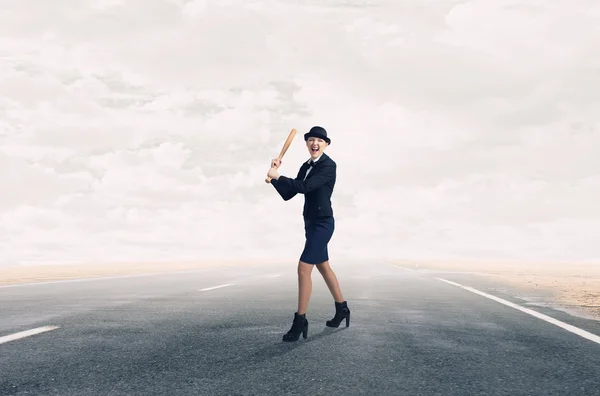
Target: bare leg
point(304, 286)
point(331, 281)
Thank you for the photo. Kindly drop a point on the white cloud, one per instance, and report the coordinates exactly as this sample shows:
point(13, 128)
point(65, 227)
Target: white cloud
point(143, 130)
point(194, 8)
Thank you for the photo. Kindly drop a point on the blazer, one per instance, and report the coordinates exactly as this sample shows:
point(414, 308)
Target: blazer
point(317, 188)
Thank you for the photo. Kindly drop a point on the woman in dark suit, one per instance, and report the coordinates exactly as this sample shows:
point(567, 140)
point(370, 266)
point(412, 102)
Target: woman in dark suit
point(315, 179)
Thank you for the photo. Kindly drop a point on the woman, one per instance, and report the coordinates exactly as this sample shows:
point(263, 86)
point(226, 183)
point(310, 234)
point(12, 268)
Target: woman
point(315, 179)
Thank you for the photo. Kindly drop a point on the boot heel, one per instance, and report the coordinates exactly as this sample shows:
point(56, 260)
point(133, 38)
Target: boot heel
point(305, 332)
point(341, 312)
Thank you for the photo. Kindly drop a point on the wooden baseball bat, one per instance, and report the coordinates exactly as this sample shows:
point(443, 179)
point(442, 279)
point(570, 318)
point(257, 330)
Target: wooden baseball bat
point(286, 145)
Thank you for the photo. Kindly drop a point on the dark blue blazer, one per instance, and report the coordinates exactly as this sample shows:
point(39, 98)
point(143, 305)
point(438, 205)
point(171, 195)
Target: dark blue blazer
point(317, 188)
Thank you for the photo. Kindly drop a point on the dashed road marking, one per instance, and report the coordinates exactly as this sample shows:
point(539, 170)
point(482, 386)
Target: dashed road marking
point(26, 333)
point(216, 287)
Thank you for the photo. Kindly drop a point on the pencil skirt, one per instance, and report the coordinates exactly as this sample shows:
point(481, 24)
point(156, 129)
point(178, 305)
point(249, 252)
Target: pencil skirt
point(318, 233)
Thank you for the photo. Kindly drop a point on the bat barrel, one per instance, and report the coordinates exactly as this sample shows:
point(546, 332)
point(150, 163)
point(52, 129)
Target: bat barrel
point(286, 145)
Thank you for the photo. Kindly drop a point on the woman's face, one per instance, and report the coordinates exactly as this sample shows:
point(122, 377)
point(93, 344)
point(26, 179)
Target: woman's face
point(315, 146)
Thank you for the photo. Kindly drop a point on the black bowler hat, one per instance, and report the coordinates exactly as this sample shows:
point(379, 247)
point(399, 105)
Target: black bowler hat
point(318, 132)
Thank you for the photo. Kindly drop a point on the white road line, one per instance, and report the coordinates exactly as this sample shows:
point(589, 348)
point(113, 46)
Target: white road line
point(26, 333)
point(566, 326)
point(216, 287)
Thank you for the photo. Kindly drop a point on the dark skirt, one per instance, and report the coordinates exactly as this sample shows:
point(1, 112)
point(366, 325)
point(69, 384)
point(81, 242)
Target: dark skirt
point(318, 232)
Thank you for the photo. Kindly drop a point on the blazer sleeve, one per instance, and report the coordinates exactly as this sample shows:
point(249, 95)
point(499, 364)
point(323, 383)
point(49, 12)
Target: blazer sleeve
point(283, 190)
point(324, 175)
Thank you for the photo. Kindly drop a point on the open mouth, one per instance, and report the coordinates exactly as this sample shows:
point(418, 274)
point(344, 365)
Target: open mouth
point(315, 150)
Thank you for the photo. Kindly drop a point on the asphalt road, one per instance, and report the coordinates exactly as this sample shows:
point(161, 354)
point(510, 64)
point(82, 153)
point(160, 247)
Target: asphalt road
point(410, 334)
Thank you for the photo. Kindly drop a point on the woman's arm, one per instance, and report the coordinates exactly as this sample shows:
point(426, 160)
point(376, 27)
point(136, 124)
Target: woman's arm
point(325, 174)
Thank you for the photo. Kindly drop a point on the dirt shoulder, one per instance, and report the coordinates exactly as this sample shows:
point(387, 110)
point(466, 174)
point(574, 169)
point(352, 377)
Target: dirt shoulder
point(572, 285)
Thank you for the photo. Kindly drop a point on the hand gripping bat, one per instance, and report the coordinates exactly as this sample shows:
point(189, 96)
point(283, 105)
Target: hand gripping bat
point(286, 145)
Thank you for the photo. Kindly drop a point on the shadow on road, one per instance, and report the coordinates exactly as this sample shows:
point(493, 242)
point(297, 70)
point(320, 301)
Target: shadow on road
point(281, 347)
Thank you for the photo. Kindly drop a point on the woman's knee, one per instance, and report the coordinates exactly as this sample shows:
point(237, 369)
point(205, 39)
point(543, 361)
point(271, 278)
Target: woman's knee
point(304, 269)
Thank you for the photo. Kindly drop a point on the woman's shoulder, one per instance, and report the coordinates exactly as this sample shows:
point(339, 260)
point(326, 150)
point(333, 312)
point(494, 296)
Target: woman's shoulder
point(329, 159)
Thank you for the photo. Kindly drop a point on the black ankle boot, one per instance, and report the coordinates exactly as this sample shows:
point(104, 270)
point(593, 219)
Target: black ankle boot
point(341, 312)
point(299, 326)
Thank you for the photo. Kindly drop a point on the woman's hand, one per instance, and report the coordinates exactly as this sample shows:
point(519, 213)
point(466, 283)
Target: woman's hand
point(273, 174)
point(276, 163)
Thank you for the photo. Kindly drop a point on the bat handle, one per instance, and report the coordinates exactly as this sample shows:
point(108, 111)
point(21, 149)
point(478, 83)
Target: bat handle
point(268, 179)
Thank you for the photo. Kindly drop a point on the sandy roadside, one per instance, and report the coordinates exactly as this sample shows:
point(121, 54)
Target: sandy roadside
point(572, 285)
point(45, 273)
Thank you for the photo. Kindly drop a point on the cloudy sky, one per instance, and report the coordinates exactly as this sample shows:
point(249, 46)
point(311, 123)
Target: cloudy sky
point(143, 129)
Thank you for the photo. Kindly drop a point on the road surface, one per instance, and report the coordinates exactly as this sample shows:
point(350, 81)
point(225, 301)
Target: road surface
point(218, 332)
